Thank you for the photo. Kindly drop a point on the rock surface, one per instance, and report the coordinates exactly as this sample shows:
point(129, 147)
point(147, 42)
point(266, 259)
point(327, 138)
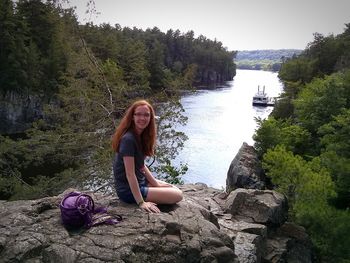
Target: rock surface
point(208, 225)
point(257, 206)
point(18, 111)
point(245, 170)
point(196, 230)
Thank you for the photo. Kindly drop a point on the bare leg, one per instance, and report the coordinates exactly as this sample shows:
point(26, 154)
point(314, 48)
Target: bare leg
point(164, 195)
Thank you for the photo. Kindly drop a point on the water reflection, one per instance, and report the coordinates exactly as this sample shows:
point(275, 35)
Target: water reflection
point(219, 121)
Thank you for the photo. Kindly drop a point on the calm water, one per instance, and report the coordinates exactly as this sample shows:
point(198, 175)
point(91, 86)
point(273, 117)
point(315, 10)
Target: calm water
point(219, 121)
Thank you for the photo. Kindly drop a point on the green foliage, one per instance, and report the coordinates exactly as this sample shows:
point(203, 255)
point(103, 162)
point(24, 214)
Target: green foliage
point(325, 51)
point(335, 135)
point(114, 74)
point(335, 141)
point(298, 69)
point(267, 54)
point(104, 41)
point(172, 53)
point(46, 59)
point(284, 107)
point(13, 55)
point(37, 39)
point(134, 64)
point(170, 173)
point(170, 141)
point(305, 145)
point(266, 136)
point(328, 228)
point(268, 65)
point(156, 65)
point(302, 182)
point(319, 101)
point(176, 83)
point(88, 75)
point(35, 167)
point(33, 47)
point(273, 132)
point(320, 127)
point(264, 59)
point(296, 139)
point(323, 56)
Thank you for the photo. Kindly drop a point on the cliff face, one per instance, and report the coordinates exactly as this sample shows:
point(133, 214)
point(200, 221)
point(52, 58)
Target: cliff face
point(18, 111)
point(246, 225)
point(208, 76)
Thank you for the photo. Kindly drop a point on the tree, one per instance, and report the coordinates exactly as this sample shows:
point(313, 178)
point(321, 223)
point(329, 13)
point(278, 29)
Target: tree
point(303, 183)
point(46, 34)
point(284, 107)
point(13, 54)
point(325, 53)
point(298, 69)
point(170, 141)
point(156, 65)
point(267, 135)
point(134, 64)
point(335, 141)
point(319, 101)
point(306, 143)
point(87, 75)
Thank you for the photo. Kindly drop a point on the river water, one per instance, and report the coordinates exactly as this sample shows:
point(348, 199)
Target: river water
point(219, 121)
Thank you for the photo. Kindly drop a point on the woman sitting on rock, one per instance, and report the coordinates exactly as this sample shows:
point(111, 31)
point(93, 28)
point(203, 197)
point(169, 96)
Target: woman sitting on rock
point(134, 139)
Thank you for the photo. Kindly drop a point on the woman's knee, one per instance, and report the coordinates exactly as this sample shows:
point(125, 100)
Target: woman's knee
point(164, 195)
point(178, 195)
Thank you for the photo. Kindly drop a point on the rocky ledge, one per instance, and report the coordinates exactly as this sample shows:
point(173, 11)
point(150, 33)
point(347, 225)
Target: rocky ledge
point(208, 225)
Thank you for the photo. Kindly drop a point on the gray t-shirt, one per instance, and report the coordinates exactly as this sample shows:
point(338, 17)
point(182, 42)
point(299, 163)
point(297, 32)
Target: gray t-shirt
point(128, 147)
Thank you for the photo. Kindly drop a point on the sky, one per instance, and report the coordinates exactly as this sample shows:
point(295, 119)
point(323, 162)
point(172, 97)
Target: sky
point(238, 24)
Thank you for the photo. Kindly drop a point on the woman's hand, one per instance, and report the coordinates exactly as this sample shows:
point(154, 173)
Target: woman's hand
point(149, 207)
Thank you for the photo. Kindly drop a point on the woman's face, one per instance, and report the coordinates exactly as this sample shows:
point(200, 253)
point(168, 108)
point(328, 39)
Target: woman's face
point(142, 117)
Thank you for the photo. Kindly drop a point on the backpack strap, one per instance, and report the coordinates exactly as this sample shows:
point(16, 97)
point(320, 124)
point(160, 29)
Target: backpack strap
point(100, 216)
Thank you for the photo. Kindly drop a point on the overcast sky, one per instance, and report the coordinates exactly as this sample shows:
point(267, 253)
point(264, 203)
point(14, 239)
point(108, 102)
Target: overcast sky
point(238, 24)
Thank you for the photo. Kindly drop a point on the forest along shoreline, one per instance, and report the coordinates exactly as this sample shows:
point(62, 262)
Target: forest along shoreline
point(63, 81)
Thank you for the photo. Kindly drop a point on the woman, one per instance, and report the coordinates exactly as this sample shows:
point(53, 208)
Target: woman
point(133, 140)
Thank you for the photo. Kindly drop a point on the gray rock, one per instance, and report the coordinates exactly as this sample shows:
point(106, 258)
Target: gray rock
point(18, 111)
point(257, 206)
point(233, 226)
point(245, 170)
point(187, 232)
point(289, 243)
point(196, 230)
point(249, 247)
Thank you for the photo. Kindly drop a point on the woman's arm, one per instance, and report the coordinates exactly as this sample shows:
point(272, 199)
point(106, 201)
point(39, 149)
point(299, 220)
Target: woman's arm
point(134, 186)
point(150, 179)
point(131, 177)
point(153, 181)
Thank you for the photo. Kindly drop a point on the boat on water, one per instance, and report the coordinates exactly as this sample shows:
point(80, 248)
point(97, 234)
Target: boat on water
point(261, 99)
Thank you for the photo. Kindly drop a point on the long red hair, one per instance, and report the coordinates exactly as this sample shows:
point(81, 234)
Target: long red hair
point(148, 135)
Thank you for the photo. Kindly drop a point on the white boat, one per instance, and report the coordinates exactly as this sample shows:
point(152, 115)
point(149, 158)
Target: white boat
point(261, 99)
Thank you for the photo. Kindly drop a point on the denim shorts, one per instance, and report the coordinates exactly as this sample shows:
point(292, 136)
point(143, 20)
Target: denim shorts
point(128, 197)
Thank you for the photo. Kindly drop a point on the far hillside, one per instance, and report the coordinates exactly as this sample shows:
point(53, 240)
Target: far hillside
point(267, 59)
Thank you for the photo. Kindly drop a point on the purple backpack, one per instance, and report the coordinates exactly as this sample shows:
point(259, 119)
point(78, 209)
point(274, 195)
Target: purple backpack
point(78, 210)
